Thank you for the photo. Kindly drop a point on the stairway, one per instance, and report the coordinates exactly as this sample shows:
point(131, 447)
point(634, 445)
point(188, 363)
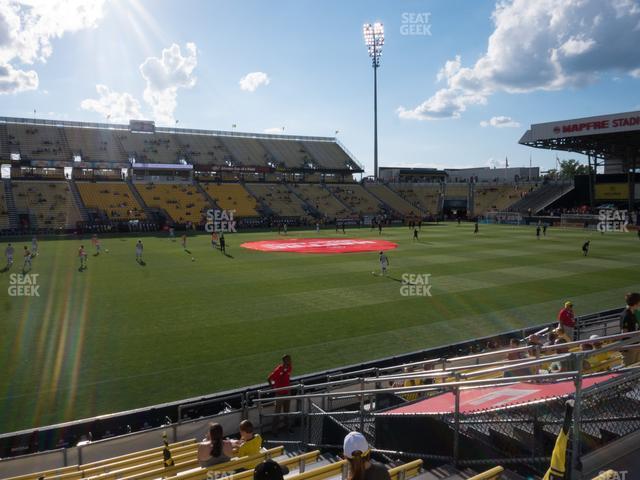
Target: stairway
point(149, 213)
point(542, 197)
point(209, 198)
point(347, 207)
point(11, 204)
point(386, 206)
point(308, 207)
point(75, 193)
point(264, 208)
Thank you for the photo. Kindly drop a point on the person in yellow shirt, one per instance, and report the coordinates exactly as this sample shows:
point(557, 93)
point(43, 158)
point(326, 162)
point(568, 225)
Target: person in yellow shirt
point(250, 443)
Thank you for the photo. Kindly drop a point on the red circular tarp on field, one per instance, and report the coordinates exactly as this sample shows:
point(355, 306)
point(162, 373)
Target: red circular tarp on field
point(320, 245)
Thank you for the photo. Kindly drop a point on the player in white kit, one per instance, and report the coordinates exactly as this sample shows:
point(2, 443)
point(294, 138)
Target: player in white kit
point(384, 263)
point(139, 249)
point(8, 253)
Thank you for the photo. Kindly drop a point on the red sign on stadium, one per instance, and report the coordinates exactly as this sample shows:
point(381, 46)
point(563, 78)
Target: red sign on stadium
point(320, 245)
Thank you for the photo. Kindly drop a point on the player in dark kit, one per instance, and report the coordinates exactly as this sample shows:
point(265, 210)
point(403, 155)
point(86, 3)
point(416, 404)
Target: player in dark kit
point(475, 227)
point(222, 243)
point(415, 234)
point(544, 229)
point(585, 247)
point(380, 227)
point(538, 232)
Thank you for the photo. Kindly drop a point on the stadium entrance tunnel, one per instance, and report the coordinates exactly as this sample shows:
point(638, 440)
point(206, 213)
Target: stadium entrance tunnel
point(321, 245)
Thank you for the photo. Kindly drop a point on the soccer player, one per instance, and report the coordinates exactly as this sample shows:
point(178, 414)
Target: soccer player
point(34, 246)
point(27, 260)
point(538, 232)
point(585, 247)
point(184, 241)
point(223, 247)
point(475, 227)
point(380, 227)
point(415, 234)
point(214, 240)
point(172, 234)
point(139, 249)
point(544, 230)
point(343, 227)
point(284, 227)
point(96, 243)
point(317, 227)
point(8, 253)
point(384, 263)
point(82, 255)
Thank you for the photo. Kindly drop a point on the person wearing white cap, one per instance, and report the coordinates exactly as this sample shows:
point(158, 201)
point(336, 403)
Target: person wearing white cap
point(361, 467)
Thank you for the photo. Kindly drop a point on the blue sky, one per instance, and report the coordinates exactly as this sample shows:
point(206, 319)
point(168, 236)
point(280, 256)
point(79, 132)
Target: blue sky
point(319, 74)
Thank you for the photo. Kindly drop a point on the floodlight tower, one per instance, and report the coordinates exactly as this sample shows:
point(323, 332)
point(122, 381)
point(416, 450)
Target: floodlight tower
point(374, 40)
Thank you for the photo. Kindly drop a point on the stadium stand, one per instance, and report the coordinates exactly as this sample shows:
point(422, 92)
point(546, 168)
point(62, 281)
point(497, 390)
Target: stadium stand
point(232, 196)
point(356, 198)
point(112, 199)
point(425, 196)
point(50, 203)
point(329, 155)
point(495, 197)
point(206, 150)
point(38, 142)
point(278, 199)
point(456, 190)
point(289, 153)
point(392, 199)
point(156, 148)
point(321, 199)
point(540, 198)
point(182, 202)
point(5, 222)
point(247, 151)
point(95, 145)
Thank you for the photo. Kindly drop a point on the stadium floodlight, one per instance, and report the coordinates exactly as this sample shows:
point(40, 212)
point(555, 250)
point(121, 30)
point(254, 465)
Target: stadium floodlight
point(374, 40)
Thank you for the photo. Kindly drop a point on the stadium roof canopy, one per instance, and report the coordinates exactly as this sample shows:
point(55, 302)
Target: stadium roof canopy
point(613, 136)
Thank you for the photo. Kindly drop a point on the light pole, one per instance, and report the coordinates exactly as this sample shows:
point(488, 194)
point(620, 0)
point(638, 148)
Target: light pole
point(374, 40)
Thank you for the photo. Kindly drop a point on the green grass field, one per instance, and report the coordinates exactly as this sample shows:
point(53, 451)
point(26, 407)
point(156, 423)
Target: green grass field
point(121, 335)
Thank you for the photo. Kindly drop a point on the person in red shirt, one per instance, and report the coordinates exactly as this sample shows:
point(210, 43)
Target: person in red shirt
point(280, 378)
point(566, 319)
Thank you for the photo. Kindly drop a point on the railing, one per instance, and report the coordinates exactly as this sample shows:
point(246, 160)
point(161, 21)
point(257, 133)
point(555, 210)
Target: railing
point(361, 408)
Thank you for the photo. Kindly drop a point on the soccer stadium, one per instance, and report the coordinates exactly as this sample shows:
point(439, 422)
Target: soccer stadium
point(217, 298)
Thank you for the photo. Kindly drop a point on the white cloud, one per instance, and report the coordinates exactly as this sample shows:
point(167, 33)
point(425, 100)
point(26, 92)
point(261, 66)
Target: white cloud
point(273, 130)
point(541, 45)
point(164, 76)
point(119, 107)
point(253, 80)
point(27, 28)
point(635, 73)
point(500, 122)
point(15, 81)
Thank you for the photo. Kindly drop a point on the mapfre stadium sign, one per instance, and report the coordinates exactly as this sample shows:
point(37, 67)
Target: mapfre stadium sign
point(603, 124)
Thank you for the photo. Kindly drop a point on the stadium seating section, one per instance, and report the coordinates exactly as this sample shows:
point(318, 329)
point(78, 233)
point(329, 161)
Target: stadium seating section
point(38, 142)
point(149, 464)
point(290, 154)
point(114, 199)
point(206, 150)
point(95, 145)
point(233, 196)
point(158, 148)
point(279, 199)
point(328, 154)
point(493, 198)
point(247, 151)
point(182, 202)
point(456, 190)
point(50, 203)
point(423, 196)
point(356, 198)
point(391, 198)
point(321, 199)
point(4, 212)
